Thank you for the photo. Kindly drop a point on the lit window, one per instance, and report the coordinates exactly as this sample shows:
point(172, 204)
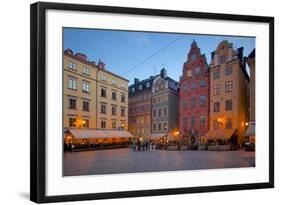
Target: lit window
point(86, 123)
point(72, 122)
point(216, 89)
point(228, 86)
point(113, 125)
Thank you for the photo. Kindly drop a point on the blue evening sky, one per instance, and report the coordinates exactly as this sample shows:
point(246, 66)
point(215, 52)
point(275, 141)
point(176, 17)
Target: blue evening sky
point(121, 51)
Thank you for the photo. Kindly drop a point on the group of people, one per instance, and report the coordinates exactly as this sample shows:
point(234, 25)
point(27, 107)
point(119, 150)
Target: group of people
point(143, 145)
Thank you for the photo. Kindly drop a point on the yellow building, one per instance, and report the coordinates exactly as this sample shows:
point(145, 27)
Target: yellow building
point(228, 96)
point(95, 101)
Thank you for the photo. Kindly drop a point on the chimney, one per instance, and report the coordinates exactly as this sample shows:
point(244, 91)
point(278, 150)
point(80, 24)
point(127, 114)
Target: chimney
point(81, 56)
point(163, 73)
point(68, 52)
point(101, 64)
point(136, 81)
point(240, 54)
point(212, 55)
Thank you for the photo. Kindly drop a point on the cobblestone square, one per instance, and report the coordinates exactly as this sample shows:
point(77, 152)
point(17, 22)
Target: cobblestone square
point(114, 161)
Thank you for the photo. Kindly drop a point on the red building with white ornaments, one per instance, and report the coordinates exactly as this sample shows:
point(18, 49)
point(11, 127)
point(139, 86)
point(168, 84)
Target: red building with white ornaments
point(194, 94)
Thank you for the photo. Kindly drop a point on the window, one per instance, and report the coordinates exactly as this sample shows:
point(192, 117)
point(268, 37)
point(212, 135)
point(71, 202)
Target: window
point(154, 126)
point(133, 89)
point(165, 111)
point(192, 102)
point(216, 89)
point(113, 110)
point(72, 84)
point(192, 120)
point(72, 103)
point(140, 87)
point(123, 86)
point(113, 96)
point(184, 121)
point(147, 84)
point(202, 120)
point(103, 109)
point(86, 87)
point(103, 92)
point(202, 83)
point(123, 112)
point(86, 106)
point(114, 81)
point(72, 122)
point(86, 123)
point(197, 70)
point(222, 59)
point(165, 126)
point(86, 71)
point(154, 113)
point(228, 123)
point(71, 65)
point(185, 87)
point(216, 124)
point(193, 85)
point(123, 98)
point(103, 124)
point(228, 71)
point(228, 105)
point(113, 125)
point(193, 57)
point(216, 74)
point(228, 86)
point(216, 106)
point(159, 112)
point(103, 77)
point(202, 100)
point(159, 126)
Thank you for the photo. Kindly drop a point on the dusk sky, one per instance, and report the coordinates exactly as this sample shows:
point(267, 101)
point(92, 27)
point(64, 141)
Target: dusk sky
point(142, 54)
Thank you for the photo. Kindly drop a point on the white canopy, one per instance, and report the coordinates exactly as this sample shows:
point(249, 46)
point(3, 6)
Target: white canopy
point(94, 133)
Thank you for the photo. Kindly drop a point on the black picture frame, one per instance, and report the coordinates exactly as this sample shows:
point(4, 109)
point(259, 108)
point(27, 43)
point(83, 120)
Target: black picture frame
point(38, 100)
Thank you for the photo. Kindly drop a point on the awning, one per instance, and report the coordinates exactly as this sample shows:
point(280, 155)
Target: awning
point(157, 136)
point(219, 134)
point(93, 133)
point(119, 133)
point(251, 130)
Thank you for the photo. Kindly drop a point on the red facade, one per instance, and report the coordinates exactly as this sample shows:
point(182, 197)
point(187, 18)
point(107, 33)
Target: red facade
point(194, 98)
